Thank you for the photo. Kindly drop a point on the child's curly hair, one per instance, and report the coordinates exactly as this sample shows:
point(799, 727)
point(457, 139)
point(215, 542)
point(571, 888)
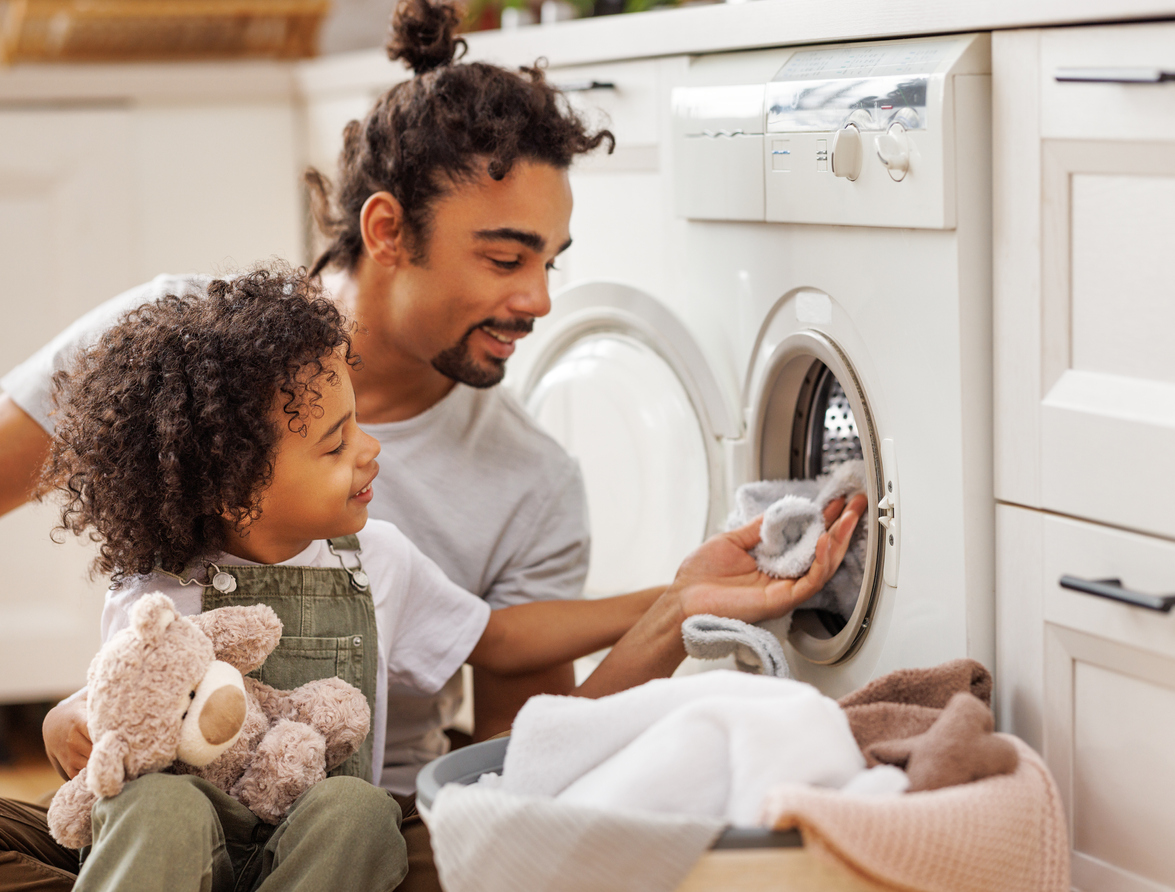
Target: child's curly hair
point(165, 431)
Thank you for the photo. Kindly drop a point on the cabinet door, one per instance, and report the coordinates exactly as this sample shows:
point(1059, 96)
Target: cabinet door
point(1086, 305)
point(66, 239)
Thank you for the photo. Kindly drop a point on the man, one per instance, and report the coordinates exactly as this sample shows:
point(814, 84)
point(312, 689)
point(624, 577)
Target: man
point(452, 204)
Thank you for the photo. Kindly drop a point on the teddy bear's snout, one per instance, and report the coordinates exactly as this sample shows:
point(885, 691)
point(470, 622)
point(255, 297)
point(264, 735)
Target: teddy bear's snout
point(223, 715)
point(215, 715)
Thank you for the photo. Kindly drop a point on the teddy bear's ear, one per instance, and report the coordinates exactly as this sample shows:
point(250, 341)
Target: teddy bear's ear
point(106, 770)
point(241, 636)
point(151, 616)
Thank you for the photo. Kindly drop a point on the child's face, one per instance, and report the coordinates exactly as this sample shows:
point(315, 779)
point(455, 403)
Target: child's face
point(321, 481)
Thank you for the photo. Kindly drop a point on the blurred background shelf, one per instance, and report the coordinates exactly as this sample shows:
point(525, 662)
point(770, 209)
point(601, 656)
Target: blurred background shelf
point(132, 30)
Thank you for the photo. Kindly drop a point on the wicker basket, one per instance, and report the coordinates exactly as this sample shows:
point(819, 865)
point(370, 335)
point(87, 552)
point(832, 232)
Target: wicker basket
point(137, 30)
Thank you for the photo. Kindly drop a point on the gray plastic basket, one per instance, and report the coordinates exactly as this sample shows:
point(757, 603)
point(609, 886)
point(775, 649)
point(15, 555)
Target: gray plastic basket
point(466, 765)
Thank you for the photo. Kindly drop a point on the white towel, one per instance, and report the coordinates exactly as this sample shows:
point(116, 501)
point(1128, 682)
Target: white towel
point(487, 840)
point(706, 744)
point(626, 792)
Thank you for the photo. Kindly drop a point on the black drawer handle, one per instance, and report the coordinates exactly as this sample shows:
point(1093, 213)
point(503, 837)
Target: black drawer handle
point(1114, 75)
point(584, 86)
point(1112, 589)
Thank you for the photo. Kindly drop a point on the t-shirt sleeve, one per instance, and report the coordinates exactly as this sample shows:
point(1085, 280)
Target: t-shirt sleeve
point(30, 384)
point(553, 562)
point(430, 624)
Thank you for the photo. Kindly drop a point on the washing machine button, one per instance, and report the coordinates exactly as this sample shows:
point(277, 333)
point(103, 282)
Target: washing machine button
point(893, 148)
point(846, 152)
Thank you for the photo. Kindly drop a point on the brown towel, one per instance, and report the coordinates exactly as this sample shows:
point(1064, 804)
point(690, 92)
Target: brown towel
point(935, 723)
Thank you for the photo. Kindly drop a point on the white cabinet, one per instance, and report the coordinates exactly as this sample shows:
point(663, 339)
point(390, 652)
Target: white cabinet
point(109, 176)
point(1085, 430)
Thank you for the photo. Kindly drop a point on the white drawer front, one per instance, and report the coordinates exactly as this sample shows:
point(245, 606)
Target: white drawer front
point(625, 98)
point(1076, 110)
point(1088, 551)
point(1109, 723)
point(1107, 152)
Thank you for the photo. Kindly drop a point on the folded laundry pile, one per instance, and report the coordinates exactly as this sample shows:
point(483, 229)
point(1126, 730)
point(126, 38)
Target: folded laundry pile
point(627, 792)
point(793, 520)
point(983, 813)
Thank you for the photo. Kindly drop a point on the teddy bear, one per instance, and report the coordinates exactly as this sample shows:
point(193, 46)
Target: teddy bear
point(170, 693)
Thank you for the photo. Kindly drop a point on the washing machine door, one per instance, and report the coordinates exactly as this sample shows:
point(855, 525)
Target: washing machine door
point(621, 384)
point(808, 412)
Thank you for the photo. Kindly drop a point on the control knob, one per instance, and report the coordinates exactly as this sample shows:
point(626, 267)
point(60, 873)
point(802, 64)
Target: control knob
point(893, 148)
point(846, 152)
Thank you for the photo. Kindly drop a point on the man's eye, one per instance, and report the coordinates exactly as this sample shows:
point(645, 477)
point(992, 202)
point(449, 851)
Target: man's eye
point(551, 266)
point(506, 264)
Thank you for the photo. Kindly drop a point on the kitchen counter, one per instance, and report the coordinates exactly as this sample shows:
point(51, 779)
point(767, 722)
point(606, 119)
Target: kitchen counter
point(698, 29)
point(735, 26)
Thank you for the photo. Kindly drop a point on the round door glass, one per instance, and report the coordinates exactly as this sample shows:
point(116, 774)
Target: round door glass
point(814, 420)
point(619, 408)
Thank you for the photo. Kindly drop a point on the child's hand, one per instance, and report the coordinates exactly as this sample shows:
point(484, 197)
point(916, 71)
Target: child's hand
point(67, 735)
point(721, 578)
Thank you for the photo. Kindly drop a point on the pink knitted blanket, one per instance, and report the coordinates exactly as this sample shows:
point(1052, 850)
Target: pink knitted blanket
point(1005, 833)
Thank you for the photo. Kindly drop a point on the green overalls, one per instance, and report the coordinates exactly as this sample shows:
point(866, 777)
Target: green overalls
point(181, 833)
point(328, 626)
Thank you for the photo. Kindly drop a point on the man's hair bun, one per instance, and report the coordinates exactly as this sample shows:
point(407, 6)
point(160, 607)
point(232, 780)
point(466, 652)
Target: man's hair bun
point(422, 34)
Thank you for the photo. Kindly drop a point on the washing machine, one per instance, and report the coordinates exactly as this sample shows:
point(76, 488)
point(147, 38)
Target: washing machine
point(826, 296)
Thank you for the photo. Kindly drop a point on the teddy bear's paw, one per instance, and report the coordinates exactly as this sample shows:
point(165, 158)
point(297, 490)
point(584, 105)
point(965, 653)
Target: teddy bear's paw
point(338, 710)
point(69, 813)
point(290, 759)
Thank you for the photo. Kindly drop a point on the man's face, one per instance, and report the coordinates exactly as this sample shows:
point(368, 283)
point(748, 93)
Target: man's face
point(484, 279)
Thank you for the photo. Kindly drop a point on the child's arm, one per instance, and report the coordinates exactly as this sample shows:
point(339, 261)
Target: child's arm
point(541, 634)
point(67, 735)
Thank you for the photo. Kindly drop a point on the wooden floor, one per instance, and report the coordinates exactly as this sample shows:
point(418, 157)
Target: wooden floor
point(25, 774)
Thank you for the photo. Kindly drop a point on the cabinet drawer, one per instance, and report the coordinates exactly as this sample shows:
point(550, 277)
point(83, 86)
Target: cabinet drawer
point(1107, 155)
point(1088, 551)
point(622, 97)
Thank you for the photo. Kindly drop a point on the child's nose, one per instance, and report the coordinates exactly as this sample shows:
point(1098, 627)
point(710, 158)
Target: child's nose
point(368, 448)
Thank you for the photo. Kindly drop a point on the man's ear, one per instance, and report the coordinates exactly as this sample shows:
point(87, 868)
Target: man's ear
point(382, 224)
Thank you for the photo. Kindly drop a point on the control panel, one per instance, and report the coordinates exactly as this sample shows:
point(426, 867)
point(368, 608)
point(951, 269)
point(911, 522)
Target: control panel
point(857, 135)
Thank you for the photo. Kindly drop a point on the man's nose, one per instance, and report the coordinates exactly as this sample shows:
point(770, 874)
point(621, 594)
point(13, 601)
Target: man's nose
point(534, 297)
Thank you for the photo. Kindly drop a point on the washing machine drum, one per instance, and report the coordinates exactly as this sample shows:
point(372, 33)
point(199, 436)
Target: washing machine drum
point(814, 416)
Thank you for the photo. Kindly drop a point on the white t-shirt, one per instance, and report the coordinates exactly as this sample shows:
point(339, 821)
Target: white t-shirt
point(472, 481)
point(426, 624)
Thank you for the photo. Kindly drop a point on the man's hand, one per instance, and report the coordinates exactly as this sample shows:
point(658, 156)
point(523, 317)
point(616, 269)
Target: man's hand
point(67, 735)
point(721, 578)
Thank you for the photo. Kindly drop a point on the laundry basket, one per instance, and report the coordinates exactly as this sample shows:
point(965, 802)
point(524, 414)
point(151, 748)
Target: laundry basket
point(141, 30)
point(741, 858)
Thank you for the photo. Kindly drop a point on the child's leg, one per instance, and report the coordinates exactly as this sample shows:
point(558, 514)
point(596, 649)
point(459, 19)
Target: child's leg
point(30, 859)
point(166, 831)
point(343, 833)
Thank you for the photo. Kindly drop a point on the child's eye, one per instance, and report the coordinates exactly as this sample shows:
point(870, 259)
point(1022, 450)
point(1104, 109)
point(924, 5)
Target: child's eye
point(338, 449)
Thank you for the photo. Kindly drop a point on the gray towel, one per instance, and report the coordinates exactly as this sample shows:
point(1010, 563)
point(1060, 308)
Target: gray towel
point(755, 649)
point(793, 519)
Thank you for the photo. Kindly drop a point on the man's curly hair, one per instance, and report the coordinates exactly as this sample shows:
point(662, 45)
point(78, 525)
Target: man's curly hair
point(165, 431)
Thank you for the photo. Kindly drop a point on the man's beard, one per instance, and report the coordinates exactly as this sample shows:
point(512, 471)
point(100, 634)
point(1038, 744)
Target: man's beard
point(456, 362)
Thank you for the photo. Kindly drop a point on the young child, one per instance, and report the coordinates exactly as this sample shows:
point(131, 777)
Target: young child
point(209, 442)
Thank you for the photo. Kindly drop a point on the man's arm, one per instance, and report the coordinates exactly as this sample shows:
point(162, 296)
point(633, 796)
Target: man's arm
point(497, 698)
point(720, 577)
point(23, 448)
